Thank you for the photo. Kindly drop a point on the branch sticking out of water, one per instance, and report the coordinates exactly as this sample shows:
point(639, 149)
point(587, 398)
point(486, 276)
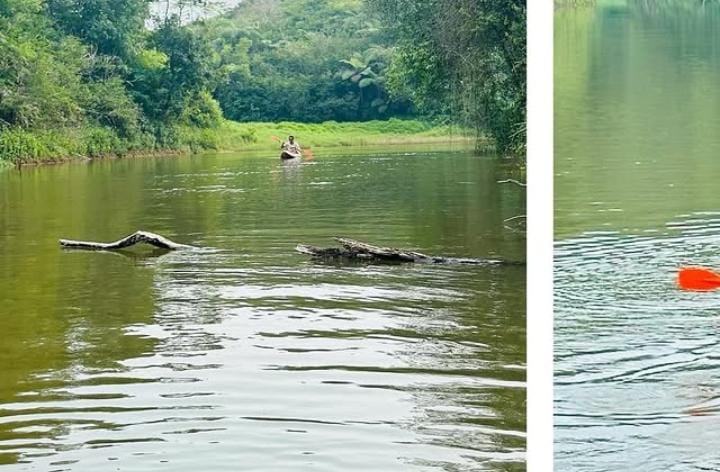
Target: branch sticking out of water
point(512, 181)
point(137, 237)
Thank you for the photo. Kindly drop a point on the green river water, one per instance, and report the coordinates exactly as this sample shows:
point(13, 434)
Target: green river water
point(244, 355)
point(637, 120)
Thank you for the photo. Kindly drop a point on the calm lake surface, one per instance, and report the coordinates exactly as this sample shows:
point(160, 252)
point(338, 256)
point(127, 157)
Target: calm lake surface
point(637, 165)
point(245, 354)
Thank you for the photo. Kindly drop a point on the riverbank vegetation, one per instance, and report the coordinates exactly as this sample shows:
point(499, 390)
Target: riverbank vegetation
point(464, 59)
point(18, 146)
point(331, 134)
point(460, 62)
point(89, 78)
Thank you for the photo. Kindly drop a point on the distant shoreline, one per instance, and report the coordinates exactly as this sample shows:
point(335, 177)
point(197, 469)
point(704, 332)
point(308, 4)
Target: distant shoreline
point(43, 147)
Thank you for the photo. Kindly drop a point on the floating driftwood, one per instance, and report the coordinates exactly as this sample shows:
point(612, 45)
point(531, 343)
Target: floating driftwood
point(512, 181)
point(135, 238)
point(352, 250)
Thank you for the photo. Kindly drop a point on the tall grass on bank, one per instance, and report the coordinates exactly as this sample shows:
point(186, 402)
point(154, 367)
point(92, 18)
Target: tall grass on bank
point(19, 146)
point(367, 133)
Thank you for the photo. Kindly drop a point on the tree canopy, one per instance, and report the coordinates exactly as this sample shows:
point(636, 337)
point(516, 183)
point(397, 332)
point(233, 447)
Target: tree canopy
point(303, 60)
point(95, 65)
point(85, 64)
point(462, 58)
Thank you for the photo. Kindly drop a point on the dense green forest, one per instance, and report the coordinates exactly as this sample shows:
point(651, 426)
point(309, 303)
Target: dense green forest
point(450, 61)
point(303, 60)
point(90, 78)
point(465, 59)
point(86, 77)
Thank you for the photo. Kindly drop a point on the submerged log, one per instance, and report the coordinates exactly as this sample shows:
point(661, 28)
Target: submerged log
point(135, 238)
point(359, 251)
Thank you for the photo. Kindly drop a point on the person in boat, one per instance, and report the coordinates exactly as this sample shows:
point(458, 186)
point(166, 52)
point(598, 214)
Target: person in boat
point(291, 146)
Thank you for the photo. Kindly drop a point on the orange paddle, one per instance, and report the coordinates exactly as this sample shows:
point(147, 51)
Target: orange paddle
point(697, 278)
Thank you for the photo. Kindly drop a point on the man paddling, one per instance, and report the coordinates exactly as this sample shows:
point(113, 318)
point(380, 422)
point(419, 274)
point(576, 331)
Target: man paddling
point(291, 146)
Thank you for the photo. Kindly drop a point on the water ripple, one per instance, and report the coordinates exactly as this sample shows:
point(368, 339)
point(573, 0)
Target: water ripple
point(636, 358)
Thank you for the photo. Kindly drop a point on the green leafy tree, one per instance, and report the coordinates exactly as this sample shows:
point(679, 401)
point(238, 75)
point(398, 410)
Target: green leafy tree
point(368, 72)
point(464, 59)
point(40, 76)
point(111, 27)
point(88, 77)
point(294, 60)
point(174, 74)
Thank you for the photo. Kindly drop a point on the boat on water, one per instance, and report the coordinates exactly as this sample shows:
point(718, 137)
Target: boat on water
point(285, 155)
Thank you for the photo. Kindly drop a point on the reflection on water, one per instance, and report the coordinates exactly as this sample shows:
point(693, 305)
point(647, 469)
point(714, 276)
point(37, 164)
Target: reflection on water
point(637, 114)
point(244, 352)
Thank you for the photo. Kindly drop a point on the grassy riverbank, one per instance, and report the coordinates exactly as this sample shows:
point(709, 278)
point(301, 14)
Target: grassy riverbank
point(19, 147)
point(334, 134)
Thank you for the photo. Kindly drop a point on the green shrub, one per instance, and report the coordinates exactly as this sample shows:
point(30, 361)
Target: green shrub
point(203, 112)
point(108, 103)
point(102, 142)
point(197, 139)
point(18, 145)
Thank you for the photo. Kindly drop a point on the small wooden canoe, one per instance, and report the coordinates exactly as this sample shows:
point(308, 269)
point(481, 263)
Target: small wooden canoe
point(290, 155)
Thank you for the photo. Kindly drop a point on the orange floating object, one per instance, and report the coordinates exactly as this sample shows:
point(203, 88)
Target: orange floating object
point(698, 278)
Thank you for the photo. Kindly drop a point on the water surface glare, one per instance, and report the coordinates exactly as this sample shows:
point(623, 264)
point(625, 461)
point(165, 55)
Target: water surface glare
point(244, 353)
